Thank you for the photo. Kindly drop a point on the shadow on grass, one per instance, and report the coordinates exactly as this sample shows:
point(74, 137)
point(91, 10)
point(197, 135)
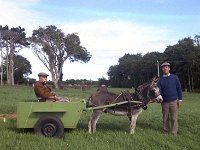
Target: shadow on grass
point(147, 126)
point(23, 131)
point(122, 126)
point(106, 126)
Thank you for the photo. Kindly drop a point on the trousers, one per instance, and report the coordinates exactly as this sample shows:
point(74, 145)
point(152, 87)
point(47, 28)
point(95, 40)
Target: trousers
point(170, 117)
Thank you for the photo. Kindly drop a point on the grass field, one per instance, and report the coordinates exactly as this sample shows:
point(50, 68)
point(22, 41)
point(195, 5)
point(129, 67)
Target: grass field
point(112, 131)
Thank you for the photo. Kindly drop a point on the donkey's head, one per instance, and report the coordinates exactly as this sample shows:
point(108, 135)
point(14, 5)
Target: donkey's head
point(154, 91)
point(149, 92)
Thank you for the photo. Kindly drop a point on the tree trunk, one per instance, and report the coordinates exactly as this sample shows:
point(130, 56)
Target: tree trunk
point(60, 77)
point(1, 59)
point(1, 67)
point(1, 70)
point(53, 75)
point(55, 82)
point(192, 80)
point(184, 84)
point(56, 72)
point(7, 65)
point(189, 84)
point(10, 69)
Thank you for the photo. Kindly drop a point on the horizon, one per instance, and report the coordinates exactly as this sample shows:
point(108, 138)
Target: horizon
point(107, 29)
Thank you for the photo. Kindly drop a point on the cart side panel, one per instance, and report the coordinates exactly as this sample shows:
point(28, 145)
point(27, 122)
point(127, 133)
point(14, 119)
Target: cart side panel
point(69, 113)
point(73, 114)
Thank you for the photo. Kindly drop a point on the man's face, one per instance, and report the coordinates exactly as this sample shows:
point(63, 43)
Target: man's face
point(165, 69)
point(43, 79)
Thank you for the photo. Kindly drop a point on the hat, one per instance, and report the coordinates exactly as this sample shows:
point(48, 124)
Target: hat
point(42, 74)
point(165, 64)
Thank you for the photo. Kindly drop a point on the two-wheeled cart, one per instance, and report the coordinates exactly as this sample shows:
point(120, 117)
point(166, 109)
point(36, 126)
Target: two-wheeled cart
point(51, 118)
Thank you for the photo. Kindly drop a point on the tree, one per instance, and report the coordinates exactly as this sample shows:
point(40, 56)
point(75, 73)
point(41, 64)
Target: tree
point(126, 73)
point(53, 48)
point(183, 61)
point(13, 40)
point(103, 81)
point(22, 68)
point(134, 70)
point(197, 40)
point(150, 68)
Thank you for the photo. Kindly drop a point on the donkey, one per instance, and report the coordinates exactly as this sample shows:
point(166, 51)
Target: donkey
point(145, 94)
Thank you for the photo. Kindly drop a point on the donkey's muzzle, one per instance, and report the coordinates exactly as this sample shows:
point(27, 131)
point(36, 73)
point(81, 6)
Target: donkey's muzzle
point(159, 99)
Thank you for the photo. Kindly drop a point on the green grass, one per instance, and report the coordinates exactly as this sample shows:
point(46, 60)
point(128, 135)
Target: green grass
point(112, 131)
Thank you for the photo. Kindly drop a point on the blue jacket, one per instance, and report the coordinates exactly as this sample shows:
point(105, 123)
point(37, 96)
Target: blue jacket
point(170, 88)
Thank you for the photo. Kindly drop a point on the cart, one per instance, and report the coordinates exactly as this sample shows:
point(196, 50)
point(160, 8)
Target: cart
point(51, 118)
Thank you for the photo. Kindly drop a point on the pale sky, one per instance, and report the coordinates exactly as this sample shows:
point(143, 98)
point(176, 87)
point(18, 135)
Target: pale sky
point(107, 28)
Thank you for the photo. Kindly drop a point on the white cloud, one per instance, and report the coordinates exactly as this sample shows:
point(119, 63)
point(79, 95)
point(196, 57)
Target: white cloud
point(107, 40)
point(18, 13)
point(119, 36)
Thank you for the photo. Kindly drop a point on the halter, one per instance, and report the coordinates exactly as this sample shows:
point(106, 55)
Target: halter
point(141, 97)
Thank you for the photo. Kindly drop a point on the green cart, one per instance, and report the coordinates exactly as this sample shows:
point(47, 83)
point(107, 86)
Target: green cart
point(49, 118)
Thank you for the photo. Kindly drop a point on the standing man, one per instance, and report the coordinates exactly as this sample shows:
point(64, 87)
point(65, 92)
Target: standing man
point(171, 92)
point(43, 92)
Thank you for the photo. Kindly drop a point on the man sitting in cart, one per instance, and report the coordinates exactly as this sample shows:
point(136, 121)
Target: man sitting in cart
point(44, 93)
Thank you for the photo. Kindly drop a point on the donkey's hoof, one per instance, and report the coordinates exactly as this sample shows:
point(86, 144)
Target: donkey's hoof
point(132, 131)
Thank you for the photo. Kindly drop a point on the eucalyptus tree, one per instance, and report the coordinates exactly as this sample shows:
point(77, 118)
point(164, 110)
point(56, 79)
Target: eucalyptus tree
point(13, 40)
point(53, 48)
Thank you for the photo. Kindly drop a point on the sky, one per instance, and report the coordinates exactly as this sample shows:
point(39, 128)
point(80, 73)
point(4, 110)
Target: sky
point(108, 29)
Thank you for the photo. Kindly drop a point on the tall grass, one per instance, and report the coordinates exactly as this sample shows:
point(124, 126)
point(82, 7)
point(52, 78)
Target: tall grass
point(112, 132)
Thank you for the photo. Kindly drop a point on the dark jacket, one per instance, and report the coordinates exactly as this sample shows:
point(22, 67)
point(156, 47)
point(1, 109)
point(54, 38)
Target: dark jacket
point(42, 91)
point(170, 88)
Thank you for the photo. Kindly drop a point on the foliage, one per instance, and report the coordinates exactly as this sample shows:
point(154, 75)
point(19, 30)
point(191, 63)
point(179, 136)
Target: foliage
point(112, 131)
point(133, 70)
point(103, 81)
point(11, 41)
point(22, 68)
point(53, 48)
point(184, 58)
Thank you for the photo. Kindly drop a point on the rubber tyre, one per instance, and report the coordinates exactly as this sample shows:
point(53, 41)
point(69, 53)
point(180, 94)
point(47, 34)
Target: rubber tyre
point(49, 126)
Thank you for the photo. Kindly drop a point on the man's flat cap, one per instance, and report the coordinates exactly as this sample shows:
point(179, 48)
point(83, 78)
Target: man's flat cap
point(165, 64)
point(42, 74)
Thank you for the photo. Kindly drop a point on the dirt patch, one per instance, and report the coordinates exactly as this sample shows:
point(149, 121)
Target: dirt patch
point(8, 116)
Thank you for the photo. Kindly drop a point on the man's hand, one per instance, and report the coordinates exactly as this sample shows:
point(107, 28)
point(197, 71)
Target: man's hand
point(53, 93)
point(53, 98)
point(179, 103)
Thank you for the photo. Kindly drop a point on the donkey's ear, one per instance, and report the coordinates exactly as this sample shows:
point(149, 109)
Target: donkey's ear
point(152, 81)
point(156, 79)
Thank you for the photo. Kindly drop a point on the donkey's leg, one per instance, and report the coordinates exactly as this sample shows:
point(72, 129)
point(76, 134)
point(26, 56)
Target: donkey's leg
point(93, 121)
point(134, 117)
point(89, 125)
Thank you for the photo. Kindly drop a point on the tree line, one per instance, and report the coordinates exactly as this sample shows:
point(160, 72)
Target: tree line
point(50, 44)
point(53, 47)
point(135, 69)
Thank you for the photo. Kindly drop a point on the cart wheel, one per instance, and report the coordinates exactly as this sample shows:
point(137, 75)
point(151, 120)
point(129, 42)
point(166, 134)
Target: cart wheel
point(49, 126)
